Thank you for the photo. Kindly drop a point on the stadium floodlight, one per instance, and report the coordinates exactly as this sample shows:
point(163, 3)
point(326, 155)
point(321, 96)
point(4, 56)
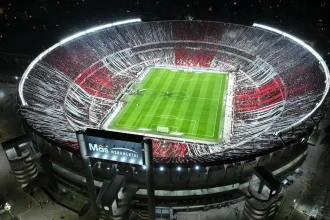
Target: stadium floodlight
point(197, 167)
point(178, 168)
point(40, 56)
point(99, 28)
point(108, 168)
point(321, 61)
point(161, 168)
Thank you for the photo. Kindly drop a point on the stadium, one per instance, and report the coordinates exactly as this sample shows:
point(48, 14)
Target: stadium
point(277, 84)
point(206, 93)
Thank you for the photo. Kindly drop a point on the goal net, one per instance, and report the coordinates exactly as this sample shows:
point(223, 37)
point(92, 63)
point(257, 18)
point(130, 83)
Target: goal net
point(163, 129)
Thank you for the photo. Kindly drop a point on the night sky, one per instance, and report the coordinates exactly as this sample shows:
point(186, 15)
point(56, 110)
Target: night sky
point(27, 27)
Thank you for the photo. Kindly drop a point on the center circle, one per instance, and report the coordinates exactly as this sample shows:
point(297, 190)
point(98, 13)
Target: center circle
point(177, 96)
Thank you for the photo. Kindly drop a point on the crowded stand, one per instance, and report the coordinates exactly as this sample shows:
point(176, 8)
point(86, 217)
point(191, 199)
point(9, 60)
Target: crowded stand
point(189, 31)
point(193, 57)
point(257, 99)
point(276, 81)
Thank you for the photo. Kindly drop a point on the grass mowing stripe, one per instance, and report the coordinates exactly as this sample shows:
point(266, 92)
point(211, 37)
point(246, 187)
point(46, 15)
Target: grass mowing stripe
point(133, 112)
point(220, 118)
point(223, 110)
point(161, 108)
point(149, 100)
point(176, 102)
point(204, 112)
point(201, 105)
point(193, 90)
point(212, 120)
point(129, 113)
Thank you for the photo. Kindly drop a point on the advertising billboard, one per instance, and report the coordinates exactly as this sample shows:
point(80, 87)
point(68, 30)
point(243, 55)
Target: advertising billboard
point(114, 146)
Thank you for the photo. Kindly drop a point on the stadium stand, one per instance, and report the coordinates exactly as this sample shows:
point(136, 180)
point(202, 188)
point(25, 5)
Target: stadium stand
point(76, 85)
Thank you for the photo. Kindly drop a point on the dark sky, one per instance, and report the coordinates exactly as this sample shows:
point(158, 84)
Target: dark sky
point(29, 26)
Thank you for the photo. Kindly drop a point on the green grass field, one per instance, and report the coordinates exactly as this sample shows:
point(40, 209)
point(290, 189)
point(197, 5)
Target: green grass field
point(186, 102)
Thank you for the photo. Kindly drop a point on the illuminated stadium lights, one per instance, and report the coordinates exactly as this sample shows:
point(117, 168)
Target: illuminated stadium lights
point(196, 167)
point(26, 73)
point(279, 83)
point(98, 28)
point(161, 168)
point(108, 168)
point(178, 168)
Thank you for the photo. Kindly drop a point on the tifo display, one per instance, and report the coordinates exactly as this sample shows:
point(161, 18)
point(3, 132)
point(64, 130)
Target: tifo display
point(176, 103)
point(277, 86)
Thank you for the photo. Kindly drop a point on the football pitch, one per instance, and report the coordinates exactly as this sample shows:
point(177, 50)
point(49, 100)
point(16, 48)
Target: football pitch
point(187, 104)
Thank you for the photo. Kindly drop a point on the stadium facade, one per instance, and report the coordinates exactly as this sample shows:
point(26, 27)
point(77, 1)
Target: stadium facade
point(278, 98)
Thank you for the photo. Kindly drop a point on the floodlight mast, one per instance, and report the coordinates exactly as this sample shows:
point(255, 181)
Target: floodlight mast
point(321, 61)
point(44, 53)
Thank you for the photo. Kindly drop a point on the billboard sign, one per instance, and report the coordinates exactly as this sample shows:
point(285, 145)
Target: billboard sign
point(114, 148)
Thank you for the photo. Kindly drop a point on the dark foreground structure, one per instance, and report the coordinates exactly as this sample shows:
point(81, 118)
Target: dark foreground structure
point(264, 196)
point(279, 97)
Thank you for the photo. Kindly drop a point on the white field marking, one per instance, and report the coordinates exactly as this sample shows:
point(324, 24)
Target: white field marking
point(215, 121)
point(156, 125)
point(185, 97)
point(168, 116)
point(126, 107)
point(216, 114)
point(195, 97)
point(193, 133)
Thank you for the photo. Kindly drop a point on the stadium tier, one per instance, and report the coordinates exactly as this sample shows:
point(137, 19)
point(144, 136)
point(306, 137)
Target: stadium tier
point(84, 80)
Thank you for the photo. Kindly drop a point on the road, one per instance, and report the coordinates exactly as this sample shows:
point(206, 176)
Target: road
point(310, 189)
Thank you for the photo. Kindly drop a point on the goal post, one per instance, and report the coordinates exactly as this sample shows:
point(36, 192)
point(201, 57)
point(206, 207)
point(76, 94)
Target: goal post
point(163, 129)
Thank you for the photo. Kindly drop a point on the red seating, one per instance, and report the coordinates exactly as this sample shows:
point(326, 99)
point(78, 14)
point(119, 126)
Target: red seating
point(193, 57)
point(98, 81)
point(259, 98)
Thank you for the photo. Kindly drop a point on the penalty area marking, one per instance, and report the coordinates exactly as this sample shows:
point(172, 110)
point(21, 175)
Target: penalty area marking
point(156, 125)
point(166, 117)
point(184, 98)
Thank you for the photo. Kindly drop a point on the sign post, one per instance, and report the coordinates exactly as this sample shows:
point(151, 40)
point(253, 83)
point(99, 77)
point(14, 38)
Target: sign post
point(150, 178)
point(87, 169)
point(118, 147)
